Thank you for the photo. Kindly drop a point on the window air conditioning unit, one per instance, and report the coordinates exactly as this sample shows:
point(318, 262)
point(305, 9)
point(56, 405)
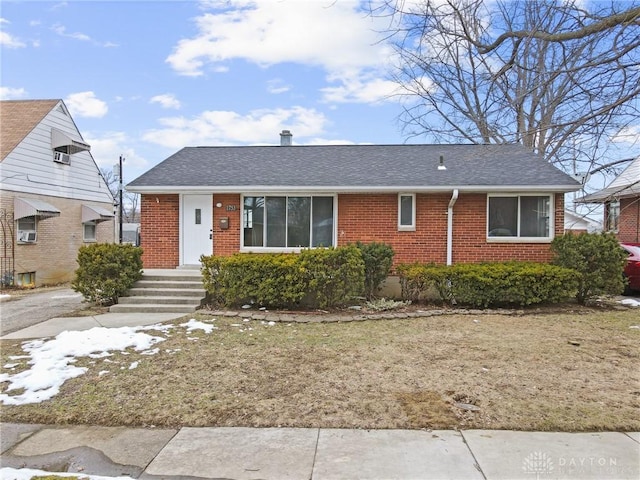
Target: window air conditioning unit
point(63, 158)
point(27, 236)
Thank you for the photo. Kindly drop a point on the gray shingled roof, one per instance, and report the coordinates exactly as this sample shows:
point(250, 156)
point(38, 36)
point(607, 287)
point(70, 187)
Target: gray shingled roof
point(344, 168)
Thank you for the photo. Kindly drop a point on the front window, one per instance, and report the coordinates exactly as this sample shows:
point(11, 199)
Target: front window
point(613, 216)
point(287, 222)
point(89, 231)
point(519, 216)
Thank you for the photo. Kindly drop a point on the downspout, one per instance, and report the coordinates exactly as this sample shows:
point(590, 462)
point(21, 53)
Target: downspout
point(452, 202)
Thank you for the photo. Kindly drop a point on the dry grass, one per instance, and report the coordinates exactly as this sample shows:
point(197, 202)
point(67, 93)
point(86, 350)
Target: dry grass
point(522, 371)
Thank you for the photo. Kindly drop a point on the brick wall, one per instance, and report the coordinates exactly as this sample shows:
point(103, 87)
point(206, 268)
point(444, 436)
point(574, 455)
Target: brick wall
point(364, 217)
point(53, 256)
point(160, 230)
point(226, 242)
point(629, 223)
point(374, 218)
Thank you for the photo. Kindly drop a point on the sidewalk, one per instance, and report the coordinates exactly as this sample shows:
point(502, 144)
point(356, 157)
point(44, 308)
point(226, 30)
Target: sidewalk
point(319, 454)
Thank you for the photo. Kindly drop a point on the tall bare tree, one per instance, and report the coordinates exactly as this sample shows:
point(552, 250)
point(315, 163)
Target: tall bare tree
point(561, 78)
point(130, 207)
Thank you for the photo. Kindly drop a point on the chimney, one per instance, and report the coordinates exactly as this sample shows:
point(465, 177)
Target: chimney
point(285, 138)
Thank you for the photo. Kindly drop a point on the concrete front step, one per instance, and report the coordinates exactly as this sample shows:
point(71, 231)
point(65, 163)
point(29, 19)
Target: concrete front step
point(144, 283)
point(152, 308)
point(170, 291)
point(167, 292)
point(164, 300)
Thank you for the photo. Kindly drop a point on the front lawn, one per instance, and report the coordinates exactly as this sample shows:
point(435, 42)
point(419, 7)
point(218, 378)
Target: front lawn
point(553, 371)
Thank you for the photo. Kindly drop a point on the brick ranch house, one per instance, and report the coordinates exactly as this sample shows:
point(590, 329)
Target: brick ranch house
point(431, 203)
point(621, 200)
point(53, 198)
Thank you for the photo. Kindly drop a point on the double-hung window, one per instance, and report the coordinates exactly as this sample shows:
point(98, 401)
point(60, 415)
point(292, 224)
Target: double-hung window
point(520, 217)
point(612, 211)
point(283, 222)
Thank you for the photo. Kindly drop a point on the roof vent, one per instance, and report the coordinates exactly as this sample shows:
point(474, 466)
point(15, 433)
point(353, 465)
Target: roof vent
point(442, 166)
point(285, 138)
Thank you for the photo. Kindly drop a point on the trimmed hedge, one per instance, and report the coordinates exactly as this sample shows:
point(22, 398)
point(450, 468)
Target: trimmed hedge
point(378, 259)
point(598, 260)
point(489, 284)
point(106, 271)
point(319, 277)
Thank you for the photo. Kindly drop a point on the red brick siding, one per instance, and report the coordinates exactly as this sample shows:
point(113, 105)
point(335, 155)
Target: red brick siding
point(629, 222)
point(374, 217)
point(160, 230)
point(226, 242)
point(364, 217)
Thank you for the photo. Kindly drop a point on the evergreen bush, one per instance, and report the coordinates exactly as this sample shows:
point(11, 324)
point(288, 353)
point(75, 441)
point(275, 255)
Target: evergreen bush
point(378, 259)
point(106, 271)
point(598, 260)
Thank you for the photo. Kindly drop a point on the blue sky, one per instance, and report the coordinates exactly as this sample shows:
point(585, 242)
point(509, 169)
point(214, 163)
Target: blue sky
point(146, 78)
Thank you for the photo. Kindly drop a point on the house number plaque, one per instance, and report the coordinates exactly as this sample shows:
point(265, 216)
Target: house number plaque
point(231, 208)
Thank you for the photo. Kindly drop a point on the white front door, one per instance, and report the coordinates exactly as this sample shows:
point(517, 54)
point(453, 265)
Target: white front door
point(197, 228)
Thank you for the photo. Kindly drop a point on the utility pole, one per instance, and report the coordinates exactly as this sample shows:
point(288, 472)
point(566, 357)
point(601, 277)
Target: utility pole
point(118, 169)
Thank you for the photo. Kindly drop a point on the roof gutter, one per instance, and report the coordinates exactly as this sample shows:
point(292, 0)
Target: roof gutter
point(209, 189)
point(452, 202)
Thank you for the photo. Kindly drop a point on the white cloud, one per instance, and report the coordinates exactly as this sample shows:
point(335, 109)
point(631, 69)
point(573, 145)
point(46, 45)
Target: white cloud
point(339, 37)
point(8, 93)
point(629, 134)
point(107, 148)
point(227, 128)
point(166, 100)
point(277, 86)
point(7, 40)
point(62, 31)
point(85, 104)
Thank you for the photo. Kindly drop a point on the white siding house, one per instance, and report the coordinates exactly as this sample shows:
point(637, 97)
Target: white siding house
point(53, 197)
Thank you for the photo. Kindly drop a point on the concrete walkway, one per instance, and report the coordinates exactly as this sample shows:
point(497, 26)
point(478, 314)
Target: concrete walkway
point(319, 454)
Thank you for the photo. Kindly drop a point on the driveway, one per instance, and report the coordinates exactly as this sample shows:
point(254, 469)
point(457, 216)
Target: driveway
point(30, 308)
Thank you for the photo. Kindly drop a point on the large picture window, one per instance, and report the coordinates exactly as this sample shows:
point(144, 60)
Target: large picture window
point(519, 216)
point(287, 222)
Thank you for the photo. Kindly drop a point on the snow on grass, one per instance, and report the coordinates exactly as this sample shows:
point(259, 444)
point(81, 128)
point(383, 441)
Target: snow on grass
point(7, 473)
point(52, 360)
point(4, 296)
point(631, 302)
point(193, 324)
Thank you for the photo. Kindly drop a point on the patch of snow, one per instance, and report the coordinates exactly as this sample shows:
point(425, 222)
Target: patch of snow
point(52, 360)
point(4, 295)
point(11, 365)
point(7, 473)
point(246, 306)
point(271, 324)
point(153, 351)
point(134, 365)
point(635, 326)
point(193, 324)
point(77, 295)
point(632, 302)
point(102, 372)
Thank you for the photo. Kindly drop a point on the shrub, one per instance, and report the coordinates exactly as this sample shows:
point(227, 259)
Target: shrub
point(321, 277)
point(334, 275)
point(378, 259)
point(483, 285)
point(106, 271)
point(598, 260)
point(265, 279)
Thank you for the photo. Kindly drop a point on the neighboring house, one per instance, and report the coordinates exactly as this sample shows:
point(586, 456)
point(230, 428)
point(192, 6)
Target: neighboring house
point(53, 198)
point(483, 202)
point(576, 223)
point(621, 200)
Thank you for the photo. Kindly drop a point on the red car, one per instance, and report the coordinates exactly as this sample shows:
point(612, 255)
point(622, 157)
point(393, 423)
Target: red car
point(632, 269)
